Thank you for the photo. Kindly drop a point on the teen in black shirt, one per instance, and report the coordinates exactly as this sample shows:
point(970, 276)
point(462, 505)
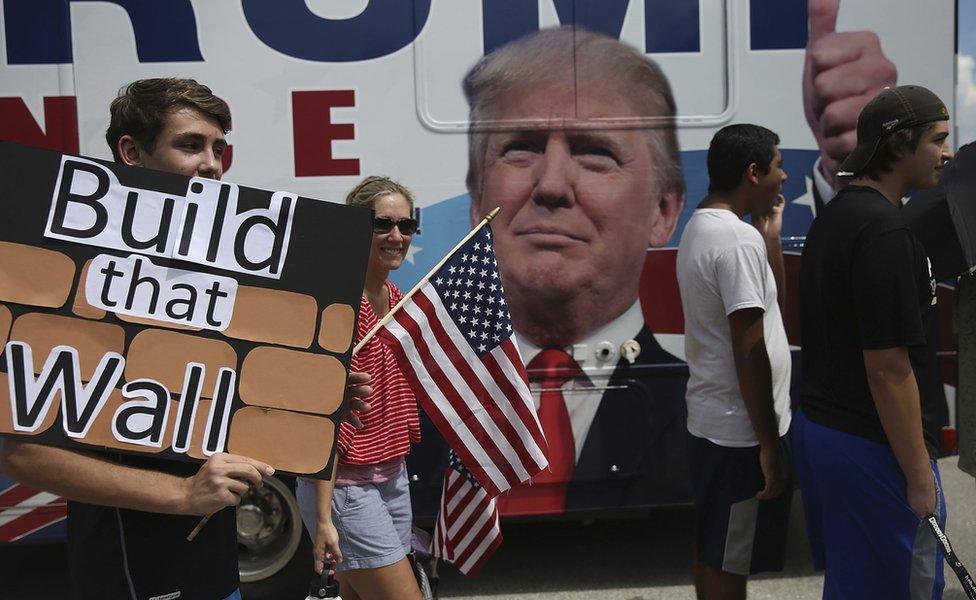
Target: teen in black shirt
point(871, 407)
point(866, 284)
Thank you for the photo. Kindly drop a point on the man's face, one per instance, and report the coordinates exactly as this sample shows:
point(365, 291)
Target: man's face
point(578, 207)
point(924, 167)
point(770, 185)
point(190, 144)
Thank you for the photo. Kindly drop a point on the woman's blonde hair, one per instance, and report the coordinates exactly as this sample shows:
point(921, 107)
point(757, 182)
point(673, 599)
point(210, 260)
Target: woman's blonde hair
point(374, 187)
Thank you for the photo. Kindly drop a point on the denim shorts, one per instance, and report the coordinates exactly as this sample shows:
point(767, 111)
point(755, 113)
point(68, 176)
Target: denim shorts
point(373, 520)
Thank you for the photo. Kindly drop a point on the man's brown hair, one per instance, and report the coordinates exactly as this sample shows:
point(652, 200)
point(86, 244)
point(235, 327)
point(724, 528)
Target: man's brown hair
point(141, 108)
point(892, 148)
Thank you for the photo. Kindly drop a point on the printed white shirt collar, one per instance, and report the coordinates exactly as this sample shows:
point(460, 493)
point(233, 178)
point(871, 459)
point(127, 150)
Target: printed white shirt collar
point(581, 395)
point(625, 327)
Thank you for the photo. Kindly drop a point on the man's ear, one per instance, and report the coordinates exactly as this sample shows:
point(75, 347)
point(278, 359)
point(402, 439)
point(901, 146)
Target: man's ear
point(130, 152)
point(474, 210)
point(669, 208)
point(753, 174)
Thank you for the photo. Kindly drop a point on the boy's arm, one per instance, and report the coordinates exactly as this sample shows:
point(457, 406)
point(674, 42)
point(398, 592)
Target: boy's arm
point(895, 394)
point(85, 477)
point(756, 386)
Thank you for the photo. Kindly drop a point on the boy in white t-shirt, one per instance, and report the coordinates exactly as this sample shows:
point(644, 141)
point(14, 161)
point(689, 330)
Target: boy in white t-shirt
point(731, 279)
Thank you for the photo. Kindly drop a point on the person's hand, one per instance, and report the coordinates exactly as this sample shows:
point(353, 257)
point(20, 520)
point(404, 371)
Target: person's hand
point(921, 494)
point(353, 403)
point(220, 482)
point(770, 224)
point(842, 72)
point(773, 466)
point(326, 547)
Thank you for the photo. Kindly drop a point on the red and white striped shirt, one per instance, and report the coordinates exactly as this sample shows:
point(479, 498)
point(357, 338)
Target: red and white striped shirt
point(392, 423)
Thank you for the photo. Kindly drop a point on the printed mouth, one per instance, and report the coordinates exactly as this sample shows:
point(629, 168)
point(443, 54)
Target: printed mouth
point(550, 234)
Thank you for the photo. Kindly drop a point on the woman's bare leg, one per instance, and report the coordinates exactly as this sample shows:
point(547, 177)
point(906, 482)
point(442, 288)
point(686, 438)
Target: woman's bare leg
point(393, 582)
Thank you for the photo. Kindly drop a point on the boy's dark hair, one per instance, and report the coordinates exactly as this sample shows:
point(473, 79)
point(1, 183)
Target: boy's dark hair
point(733, 149)
point(892, 148)
point(141, 108)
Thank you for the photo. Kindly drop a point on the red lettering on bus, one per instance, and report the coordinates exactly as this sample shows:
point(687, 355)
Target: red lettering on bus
point(314, 132)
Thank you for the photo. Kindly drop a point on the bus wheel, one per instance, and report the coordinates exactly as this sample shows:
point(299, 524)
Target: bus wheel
point(274, 552)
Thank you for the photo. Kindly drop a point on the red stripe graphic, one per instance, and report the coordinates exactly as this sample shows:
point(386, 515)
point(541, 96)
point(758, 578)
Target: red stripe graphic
point(33, 520)
point(478, 390)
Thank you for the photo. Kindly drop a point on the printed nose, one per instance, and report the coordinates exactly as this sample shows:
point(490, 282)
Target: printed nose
point(555, 182)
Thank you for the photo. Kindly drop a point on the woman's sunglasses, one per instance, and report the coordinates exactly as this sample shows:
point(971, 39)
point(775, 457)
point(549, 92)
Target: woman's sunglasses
point(385, 225)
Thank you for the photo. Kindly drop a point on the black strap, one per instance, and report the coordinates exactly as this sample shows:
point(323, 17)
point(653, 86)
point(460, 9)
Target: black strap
point(954, 563)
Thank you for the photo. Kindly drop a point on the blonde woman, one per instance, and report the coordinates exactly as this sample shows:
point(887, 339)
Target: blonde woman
point(362, 518)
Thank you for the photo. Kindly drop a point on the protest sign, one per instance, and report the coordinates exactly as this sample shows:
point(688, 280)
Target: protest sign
point(152, 313)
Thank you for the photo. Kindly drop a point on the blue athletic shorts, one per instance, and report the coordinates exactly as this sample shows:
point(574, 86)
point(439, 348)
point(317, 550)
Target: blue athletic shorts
point(374, 521)
point(862, 531)
point(736, 532)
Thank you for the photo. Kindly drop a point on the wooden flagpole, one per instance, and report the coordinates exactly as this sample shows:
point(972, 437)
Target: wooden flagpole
point(389, 315)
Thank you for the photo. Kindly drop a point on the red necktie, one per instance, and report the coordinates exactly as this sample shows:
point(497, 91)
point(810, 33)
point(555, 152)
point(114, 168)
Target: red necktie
point(546, 492)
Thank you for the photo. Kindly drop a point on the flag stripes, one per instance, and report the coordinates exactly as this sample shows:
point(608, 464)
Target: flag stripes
point(467, 530)
point(501, 441)
point(454, 341)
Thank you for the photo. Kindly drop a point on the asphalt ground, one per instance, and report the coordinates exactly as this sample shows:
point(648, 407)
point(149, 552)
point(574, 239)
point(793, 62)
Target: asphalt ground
point(649, 558)
point(641, 558)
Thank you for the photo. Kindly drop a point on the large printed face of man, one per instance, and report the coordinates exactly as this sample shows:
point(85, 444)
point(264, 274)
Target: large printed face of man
point(579, 206)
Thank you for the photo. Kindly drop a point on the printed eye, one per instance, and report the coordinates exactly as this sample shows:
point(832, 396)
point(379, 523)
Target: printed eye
point(597, 158)
point(521, 151)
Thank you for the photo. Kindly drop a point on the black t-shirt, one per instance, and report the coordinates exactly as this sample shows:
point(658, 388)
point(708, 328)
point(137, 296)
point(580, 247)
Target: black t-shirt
point(129, 554)
point(865, 284)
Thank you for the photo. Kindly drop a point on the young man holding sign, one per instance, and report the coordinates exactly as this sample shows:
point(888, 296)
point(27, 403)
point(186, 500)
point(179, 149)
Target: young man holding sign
point(129, 516)
point(867, 431)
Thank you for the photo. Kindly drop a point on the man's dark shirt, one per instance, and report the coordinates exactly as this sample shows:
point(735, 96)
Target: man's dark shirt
point(865, 284)
point(119, 553)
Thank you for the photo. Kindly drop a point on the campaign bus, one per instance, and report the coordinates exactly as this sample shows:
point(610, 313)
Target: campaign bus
point(587, 122)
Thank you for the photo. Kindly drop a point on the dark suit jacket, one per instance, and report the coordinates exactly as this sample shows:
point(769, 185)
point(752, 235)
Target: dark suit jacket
point(636, 451)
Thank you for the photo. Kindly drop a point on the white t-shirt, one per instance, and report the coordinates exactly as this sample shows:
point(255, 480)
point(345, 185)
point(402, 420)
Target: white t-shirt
point(722, 268)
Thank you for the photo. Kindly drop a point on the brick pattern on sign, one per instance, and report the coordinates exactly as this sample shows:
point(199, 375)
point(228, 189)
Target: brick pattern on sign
point(289, 379)
point(281, 386)
point(163, 356)
point(42, 332)
point(294, 441)
point(336, 328)
point(222, 283)
point(273, 317)
point(6, 319)
point(34, 276)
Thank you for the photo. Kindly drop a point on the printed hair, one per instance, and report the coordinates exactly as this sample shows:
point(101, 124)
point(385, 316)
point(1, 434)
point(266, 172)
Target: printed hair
point(574, 57)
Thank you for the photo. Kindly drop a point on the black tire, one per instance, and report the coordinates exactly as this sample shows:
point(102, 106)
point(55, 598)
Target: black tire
point(277, 566)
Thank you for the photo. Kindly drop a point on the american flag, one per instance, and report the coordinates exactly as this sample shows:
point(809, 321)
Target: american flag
point(453, 339)
point(466, 531)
